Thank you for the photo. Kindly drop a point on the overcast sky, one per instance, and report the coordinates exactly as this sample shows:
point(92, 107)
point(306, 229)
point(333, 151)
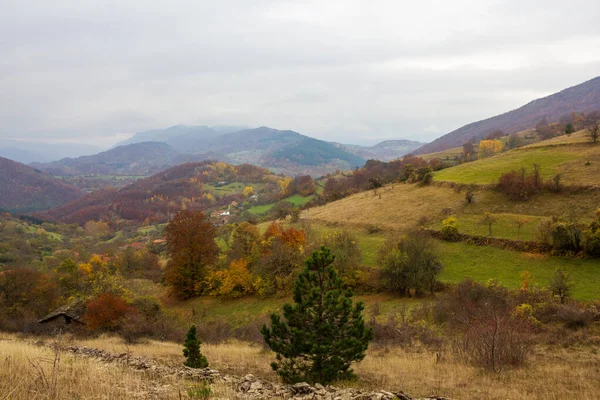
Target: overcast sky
point(350, 71)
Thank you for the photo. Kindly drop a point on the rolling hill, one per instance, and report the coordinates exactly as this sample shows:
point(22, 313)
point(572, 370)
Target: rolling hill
point(25, 189)
point(142, 159)
point(159, 197)
point(584, 97)
point(283, 151)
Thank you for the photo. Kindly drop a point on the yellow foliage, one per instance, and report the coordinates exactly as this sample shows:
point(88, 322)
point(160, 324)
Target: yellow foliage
point(237, 280)
point(248, 191)
point(85, 268)
point(488, 148)
point(526, 280)
point(283, 185)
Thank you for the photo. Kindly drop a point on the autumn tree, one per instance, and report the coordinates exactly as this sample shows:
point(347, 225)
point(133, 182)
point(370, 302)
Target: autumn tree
point(409, 263)
point(489, 220)
point(323, 332)
point(468, 150)
point(561, 285)
point(344, 246)
point(244, 238)
point(192, 249)
point(488, 148)
point(281, 256)
point(305, 185)
point(248, 191)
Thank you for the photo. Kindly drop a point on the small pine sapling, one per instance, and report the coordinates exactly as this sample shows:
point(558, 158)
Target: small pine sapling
point(194, 359)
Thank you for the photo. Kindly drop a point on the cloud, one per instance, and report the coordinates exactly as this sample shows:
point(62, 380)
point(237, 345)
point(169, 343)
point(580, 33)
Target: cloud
point(341, 70)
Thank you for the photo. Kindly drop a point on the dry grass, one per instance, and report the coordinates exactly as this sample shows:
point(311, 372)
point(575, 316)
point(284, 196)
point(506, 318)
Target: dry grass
point(553, 373)
point(400, 206)
point(27, 373)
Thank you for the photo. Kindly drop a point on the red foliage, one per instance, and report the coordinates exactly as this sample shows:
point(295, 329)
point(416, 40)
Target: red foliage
point(106, 312)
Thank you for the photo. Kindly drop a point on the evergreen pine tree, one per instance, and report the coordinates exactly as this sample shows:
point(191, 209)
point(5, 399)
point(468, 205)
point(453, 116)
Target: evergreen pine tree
point(194, 359)
point(323, 332)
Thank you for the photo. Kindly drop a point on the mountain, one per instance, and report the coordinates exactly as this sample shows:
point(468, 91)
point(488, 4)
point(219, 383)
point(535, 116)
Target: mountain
point(25, 189)
point(186, 139)
point(28, 152)
point(283, 151)
point(387, 150)
point(144, 159)
point(584, 97)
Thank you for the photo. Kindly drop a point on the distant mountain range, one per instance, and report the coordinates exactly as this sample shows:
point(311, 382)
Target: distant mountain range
point(143, 159)
point(26, 189)
point(584, 97)
point(29, 152)
point(285, 152)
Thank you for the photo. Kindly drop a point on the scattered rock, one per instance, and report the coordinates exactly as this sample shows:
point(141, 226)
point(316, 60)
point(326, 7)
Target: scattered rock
point(248, 386)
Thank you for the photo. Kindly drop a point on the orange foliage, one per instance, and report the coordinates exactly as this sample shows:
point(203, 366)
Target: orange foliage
point(106, 312)
point(236, 281)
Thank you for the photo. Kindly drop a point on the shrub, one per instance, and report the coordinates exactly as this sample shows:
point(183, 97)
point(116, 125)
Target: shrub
point(450, 229)
point(520, 185)
point(494, 333)
point(106, 312)
point(561, 285)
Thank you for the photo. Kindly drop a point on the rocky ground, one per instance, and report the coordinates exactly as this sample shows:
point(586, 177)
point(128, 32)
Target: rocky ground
point(246, 387)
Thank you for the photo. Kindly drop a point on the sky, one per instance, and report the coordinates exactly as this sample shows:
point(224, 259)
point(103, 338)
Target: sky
point(92, 71)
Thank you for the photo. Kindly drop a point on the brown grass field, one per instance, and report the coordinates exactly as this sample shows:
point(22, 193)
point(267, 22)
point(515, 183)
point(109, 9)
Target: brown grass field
point(402, 205)
point(555, 373)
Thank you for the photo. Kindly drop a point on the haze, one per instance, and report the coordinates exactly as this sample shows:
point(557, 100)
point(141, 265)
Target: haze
point(351, 71)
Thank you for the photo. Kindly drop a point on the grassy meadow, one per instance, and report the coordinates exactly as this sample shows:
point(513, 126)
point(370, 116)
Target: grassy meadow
point(574, 157)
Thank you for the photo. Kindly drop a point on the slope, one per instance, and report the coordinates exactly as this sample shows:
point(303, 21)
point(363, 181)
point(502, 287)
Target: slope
point(575, 158)
point(584, 97)
point(159, 197)
point(25, 189)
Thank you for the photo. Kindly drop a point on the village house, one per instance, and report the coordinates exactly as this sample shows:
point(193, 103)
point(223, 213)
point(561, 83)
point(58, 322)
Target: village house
point(68, 317)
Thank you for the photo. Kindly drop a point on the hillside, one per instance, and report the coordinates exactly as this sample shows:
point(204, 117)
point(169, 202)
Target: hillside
point(575, 158)
point(283, 151)
point(25, 189)
point(143, 159)
point(159, 197)
point(387, 150)
point(584, 97)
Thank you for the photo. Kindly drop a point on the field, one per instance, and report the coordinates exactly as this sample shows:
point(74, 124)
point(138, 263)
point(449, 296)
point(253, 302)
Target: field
point(556, 374)
point(232, 188)
point(296, 200)
point(575, 158)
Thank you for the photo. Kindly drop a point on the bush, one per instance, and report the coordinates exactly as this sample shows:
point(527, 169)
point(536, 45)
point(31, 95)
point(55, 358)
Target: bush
point(520, 185)
point(106, 312)
point(450, 229)
point(493, 332)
